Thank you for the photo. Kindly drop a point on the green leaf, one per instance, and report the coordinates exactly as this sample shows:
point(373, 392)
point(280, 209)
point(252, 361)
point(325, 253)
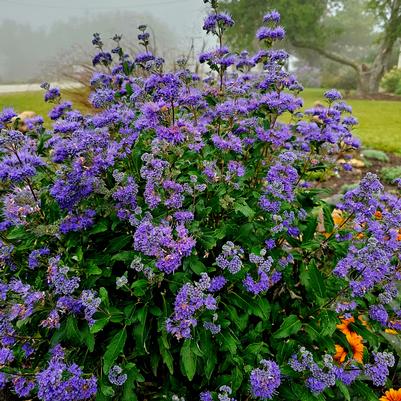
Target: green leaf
point(155, 311)
point(261, 308)
point(394, 341)
point(242, 207)
point(101, 397)
point(266, 124)
point(316, 281)
point(104, 296)
point(93, 270)
point(133, 375)
point(88, 338)
point(188, 359)
point(208, 241)
point(284, 350)
point(364, 391)
point(211, 100)
point(114, 349)
point(100, 227)
point(344, 390)
point(229, 343)
point(211, 362)
point(310, 229)
point(99, 324)
point(117, 316)
point(140, 287)
point(239, 321)
point(119, 242)
point(154, 362)
point(209, 353)
point(195, 264)
point(302, 393)
point(291, 325)
point(72, 332)
point(328, 322)
point(124, 256)
point(328, 219)
point(166, 356)
point(313, 333)
point(106, 390)
point(17, 233)
point(236, 378)
point(139, 331)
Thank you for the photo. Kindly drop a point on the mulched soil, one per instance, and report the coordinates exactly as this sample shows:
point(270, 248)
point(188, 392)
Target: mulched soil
point(336, 182)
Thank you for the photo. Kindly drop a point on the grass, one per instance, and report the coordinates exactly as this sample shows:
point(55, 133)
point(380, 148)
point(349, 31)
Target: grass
point(24, 101)
point(379, 128)
point(33, 101)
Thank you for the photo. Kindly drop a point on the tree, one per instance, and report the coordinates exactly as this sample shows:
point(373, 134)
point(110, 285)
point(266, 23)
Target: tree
point(343, 31)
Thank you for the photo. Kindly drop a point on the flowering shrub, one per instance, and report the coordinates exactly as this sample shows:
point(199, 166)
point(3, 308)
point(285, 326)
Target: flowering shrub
point(171, 245)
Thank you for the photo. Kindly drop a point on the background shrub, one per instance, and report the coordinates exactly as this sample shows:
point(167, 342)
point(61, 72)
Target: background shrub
point(374, 154)
point(390, 174)
point(391, 81)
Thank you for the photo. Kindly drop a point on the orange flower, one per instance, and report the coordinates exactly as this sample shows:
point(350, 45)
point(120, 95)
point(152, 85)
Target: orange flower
point(362, 320)
point(355, 342)
point(378, 215)
point(391, 395)
point(340, 355)
point(338, 217)
point(344, 326)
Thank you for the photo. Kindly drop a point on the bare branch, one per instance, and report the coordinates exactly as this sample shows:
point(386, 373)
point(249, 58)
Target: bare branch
point(328, 54)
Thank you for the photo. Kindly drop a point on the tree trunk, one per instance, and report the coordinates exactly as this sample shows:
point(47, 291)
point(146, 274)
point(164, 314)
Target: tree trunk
point(369, 79)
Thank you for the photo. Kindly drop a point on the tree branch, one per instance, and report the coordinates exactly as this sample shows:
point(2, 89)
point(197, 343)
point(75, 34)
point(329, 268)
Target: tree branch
point(328, 54)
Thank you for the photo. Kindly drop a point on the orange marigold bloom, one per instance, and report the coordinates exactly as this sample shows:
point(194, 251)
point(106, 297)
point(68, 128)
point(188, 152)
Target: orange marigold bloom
point(338, 217)
point(340, 354)
point(362, 320)
point(378, 214)
point(344, 326)
point(355, 342)
point(391, 395)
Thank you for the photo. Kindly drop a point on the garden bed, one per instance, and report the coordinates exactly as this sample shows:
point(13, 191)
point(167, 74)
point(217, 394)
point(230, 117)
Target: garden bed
point(341, 180)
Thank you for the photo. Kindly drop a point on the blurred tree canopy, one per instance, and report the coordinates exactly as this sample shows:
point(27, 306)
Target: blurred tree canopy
point(359, 34)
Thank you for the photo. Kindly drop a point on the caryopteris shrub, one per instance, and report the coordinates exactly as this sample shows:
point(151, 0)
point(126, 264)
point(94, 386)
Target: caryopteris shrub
point(170, 246)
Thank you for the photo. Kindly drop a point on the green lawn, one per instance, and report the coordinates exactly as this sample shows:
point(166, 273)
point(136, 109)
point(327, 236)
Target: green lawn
point(380, 121)
point(31, 101)
point(24, 101)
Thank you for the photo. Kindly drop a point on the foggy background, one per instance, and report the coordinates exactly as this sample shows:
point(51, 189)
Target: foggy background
point(38, 37)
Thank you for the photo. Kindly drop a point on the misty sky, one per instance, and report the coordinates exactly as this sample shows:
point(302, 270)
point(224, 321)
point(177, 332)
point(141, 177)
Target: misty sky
point(72, 22)
point(182, 16)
